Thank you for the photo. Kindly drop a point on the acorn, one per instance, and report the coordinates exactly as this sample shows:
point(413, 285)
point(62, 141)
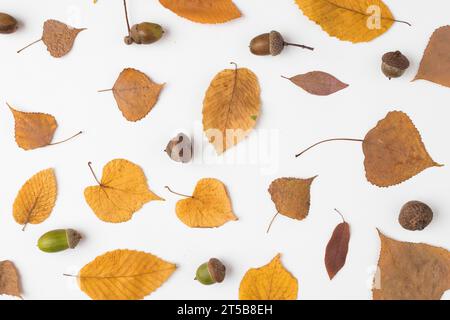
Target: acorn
point(271, 44)
point(211, 272)
point(394, 64)
point(180, 148)
point(415, 215)
point(8, 24)
point(59, 240)
point(142, 33)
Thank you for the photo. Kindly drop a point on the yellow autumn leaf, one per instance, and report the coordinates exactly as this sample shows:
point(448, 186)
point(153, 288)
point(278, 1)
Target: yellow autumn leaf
point(124, 275)
point(270, 282)
point(121, 192)
point(231, 105)
point(349, 20)
point(204, 11)
point(208, 207)
point(36, 198)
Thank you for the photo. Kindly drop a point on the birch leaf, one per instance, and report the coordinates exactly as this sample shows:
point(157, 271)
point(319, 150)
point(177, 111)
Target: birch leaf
point(9, 279)
point(231, 104)
point(124, 275)
point(36, 199)
point(270, 282)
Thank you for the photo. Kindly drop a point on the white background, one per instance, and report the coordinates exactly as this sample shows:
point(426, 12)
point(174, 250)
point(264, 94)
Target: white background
point(187, 59)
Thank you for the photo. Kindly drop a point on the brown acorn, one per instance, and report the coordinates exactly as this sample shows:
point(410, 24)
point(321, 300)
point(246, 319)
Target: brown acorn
point(142, 33)
point(415, 215)
point(271, 44)
point(8, 24)
point(180, 148)
point(394, 64)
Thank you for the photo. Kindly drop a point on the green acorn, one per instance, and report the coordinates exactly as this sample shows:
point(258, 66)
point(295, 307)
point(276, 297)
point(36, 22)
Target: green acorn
point(211, 272)
point(59, 240)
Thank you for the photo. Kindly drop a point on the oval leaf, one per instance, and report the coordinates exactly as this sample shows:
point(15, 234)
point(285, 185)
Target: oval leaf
point(124, 275)
point(204, 11)
point(349, 20)
point(209, 206)
point(435, 64)
point(337, 249)
point(231, 104)
point(122, 191)
point(270, 282)
point(394, 151)
point(135, 94)
point(36, 199)
point(318, 83)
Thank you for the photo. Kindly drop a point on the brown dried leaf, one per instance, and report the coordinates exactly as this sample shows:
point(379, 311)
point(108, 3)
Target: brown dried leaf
point(318, 83)
point(9, 279)
point(292, 196)
point(136, 94)
point(337, 249)
point(394, 151)
point(204, 11)
point(231, 104)
point(435, 64)
point(59, 37)
point(33, 130)
point(411, 271)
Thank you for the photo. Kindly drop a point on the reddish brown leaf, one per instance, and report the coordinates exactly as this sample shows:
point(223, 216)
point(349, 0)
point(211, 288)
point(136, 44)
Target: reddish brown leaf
point(318, 83)
point(337, 249)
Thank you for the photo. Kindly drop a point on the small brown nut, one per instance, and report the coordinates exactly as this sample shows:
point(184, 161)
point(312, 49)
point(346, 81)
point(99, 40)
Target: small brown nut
point(415, 215)
point(180, 148)
point(8, 24)
point(394, 64)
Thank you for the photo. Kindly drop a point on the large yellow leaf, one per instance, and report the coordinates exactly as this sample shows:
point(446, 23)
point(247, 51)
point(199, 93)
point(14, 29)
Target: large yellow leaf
point(270, 282)
point(350, 20)
point(36, 198)
point(122, 191)
point(231, 108)
point(204, 11)
point(208, 207)
point(124, 275)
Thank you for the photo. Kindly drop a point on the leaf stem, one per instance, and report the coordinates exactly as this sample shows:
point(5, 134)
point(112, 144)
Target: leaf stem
point(298, 45)
point(401, 21)
point(68, 139)
point(126, 17)
point(342, 216)
point(328, 140)
point(69, 275)
point(105, 90)
point(93, 173)
point(29, 45)
point(179, 194)
point(271, 222)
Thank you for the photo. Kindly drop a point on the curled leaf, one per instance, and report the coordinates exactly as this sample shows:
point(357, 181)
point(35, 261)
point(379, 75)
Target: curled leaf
point(337, 249)
point(394, 151)
point(36, 199)
point(231, 104)
point(9, 279)
point(411, 271)
point(349, 20)
point(318, 83)
point(208, 207)
point(435, 64)
point(270, 282)
point(124, 275)
point(122, 191)
point(204, 11)
point(135, 93)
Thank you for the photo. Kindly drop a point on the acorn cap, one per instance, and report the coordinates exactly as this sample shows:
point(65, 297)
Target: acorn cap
point(73, 238)
point(216, 270)
point(276, 43)
point(396, 59)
